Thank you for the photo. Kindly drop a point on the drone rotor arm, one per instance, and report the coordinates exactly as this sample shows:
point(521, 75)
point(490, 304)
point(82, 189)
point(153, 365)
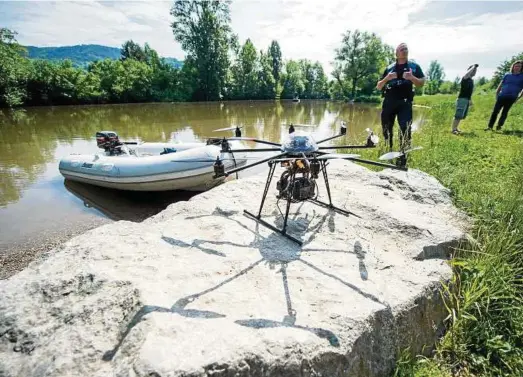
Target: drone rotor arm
point(193, 160)
point(254, 164)
point(335, 156)
point(255, 140)
point(347, 147)
point(375, 163)
point(330, 138)
point(255, 150)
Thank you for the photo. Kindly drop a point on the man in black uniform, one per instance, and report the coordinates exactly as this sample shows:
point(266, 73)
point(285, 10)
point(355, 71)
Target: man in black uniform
point(396, 83)
point(463, 101)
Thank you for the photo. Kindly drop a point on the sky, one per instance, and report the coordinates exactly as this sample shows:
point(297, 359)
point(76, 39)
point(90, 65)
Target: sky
point(456, 33)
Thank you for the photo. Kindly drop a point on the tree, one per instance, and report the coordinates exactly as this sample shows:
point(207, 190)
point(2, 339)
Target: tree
point(293, 80)
point(360, 59)
point(503, 68)
point(275, 54)
point(435, 76)
point(202, 28)
point(446, 87)
point(14, 70)
point(267, 84)
point(482, 80)
point(57, 83)
point(335, 90)
point(248, 59)
point(455, 84)
point(314, 80)
point(132, 50)
point(320, 87)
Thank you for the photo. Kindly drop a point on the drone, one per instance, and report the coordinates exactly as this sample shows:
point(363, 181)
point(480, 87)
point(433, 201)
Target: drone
point(304, 159)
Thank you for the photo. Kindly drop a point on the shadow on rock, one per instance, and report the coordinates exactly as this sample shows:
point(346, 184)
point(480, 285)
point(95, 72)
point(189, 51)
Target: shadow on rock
point(178, 308)
point(197, 244)
point(290, 319)
point(275, 250)
point(358, 250)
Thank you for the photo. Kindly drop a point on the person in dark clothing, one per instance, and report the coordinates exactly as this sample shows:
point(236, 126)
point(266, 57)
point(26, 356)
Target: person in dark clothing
point(508, 92)
point(465, 93)
point(397, 85)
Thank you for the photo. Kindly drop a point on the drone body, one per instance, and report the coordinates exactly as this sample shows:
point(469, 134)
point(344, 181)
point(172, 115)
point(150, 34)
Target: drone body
point(299, 143)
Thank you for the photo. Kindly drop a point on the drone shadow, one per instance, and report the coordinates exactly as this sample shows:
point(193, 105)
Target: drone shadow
point(196, 244)
point(265, 245)
point(290, 319)
point(177, 308)
point(468, 134)
point(261, 242)
point(518, 133)
point(358, 250)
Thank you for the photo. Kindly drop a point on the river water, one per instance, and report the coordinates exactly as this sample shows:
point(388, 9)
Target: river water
point(38, 206)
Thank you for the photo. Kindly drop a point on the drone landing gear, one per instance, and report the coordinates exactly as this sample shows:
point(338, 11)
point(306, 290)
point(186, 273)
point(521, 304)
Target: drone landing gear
point(257, 218)
point(292, 179)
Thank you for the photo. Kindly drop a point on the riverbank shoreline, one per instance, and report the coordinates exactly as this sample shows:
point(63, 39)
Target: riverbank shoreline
point(16, 256)
point(374, 101)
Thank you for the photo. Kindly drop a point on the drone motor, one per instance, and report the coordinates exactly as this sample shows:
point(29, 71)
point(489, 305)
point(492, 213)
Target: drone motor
point(219, 168)
point(315, 168)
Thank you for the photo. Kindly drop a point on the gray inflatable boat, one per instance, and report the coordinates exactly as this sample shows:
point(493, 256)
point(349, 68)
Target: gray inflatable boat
point(150, 166)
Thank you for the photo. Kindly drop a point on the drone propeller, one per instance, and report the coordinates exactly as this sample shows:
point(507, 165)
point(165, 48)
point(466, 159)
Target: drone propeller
point(227, 128)
point(298, 125)
point(392, 155)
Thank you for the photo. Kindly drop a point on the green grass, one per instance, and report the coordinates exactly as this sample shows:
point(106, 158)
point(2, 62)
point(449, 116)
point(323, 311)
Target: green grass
point(484, 171)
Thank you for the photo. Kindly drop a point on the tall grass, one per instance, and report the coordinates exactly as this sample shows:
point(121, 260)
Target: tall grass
point(484, 171)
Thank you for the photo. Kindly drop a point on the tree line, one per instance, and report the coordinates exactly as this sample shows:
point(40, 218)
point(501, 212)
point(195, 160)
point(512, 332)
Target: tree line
point(217, 67)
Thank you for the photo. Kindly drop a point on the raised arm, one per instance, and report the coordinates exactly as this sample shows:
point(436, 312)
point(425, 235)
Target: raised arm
point(385, 78)
point(419, 82)
point(418, 78)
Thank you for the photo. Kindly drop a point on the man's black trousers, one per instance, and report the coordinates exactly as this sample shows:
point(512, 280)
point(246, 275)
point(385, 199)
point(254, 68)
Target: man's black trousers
point(402, 109)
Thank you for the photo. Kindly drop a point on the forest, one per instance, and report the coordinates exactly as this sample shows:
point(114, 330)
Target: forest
point(217, 66)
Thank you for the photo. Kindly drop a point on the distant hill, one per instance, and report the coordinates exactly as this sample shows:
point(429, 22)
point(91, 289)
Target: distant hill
point(82, 55)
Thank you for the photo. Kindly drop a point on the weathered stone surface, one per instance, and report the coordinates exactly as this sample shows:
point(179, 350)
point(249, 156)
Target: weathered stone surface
point(202, 290)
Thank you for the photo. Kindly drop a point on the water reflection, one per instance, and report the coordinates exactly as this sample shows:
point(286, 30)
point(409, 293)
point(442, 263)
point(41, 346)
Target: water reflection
point(34, 139)
point(124, 205)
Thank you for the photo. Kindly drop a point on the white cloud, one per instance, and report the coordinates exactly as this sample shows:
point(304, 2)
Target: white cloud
point(107, 23)
point(309, 29)
point(312, 29)
point(478, 38)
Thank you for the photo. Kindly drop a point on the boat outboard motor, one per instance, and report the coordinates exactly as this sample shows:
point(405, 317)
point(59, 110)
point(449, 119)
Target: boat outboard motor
point(109, 142)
